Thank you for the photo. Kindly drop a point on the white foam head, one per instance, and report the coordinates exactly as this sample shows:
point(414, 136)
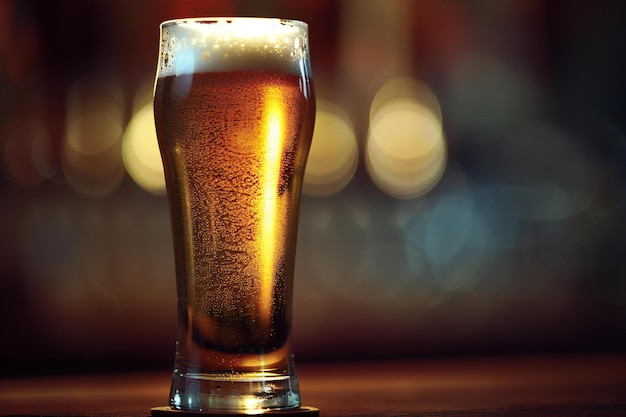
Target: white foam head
point(233, 44)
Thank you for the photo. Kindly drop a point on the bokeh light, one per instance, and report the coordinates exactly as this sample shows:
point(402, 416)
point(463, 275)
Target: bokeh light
point(405, 88)
point(93, 132)
point(405, 150)
point(91, 150)
point(334, 152)
point(141, 153)
point(459, 236)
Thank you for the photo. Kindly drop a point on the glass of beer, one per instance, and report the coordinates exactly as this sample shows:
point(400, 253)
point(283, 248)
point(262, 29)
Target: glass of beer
point(234, 110)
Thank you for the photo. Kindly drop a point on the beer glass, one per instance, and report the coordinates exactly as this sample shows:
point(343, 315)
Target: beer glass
point(234, 111)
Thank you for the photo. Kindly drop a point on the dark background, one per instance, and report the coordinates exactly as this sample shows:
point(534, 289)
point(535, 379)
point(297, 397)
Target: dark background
point(517, 249)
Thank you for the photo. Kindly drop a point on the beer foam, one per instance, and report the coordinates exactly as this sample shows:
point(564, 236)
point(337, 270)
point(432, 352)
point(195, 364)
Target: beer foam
point(233, 44)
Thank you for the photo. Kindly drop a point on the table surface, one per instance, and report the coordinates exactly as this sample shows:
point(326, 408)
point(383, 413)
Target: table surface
point(567, 385)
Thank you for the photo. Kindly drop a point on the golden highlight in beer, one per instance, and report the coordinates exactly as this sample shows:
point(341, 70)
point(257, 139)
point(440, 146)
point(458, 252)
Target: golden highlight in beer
point(234, 112)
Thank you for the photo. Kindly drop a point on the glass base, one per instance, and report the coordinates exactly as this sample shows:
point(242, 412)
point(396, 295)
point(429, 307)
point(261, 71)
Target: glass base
point(246, 392)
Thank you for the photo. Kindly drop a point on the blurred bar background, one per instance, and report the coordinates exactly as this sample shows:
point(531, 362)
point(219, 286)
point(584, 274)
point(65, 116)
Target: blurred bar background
point(465, 193)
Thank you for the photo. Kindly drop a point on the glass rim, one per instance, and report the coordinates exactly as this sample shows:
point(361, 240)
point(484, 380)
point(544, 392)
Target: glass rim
point(227, 19)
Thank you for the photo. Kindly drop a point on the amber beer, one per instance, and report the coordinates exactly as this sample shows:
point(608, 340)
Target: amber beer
point(234, 112)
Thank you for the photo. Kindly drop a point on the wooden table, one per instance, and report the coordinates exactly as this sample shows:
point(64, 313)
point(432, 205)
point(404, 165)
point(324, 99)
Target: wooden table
point(589, 385)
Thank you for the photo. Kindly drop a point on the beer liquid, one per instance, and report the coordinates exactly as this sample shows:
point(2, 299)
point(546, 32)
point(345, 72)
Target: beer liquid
point(234, 147)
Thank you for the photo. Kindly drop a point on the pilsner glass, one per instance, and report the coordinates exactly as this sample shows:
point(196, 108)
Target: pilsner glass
point(234, 111)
